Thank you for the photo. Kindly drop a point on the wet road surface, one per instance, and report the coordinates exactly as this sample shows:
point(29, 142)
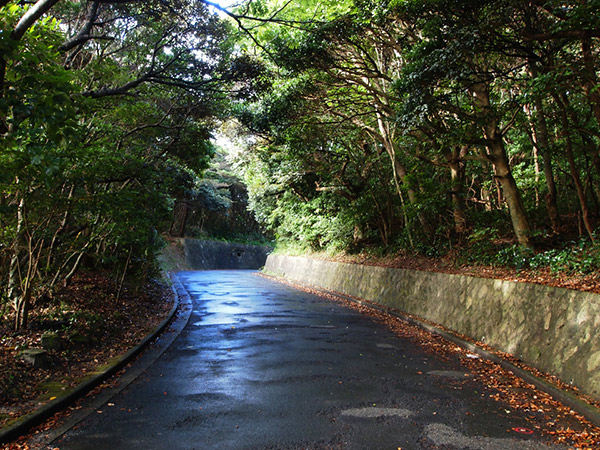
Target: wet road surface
point(261, 365)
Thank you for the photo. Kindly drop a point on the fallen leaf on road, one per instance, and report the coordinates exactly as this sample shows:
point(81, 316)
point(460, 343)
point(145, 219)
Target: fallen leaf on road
point(523, 430)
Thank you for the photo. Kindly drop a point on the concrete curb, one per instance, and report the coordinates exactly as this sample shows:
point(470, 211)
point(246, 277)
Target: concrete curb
point(27, 422)
point(591, 413)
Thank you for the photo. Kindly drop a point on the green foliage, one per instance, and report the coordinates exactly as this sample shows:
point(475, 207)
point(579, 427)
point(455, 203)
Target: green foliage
point(574, 258)
point(99, 136)
point(317, 223)
point(444, 104)
point(398, 125)
point(582, 257)
point(514, 256)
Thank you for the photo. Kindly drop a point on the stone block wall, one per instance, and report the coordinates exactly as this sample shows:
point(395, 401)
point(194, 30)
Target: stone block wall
point(555, 330)
point(210, 255)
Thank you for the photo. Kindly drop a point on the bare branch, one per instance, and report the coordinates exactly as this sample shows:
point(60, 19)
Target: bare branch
point(84, 34)
point(31, 16)
point(107, 92)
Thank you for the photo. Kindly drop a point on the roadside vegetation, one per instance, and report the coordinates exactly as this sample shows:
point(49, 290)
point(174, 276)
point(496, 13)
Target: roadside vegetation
point(456, 131)
point(106, 112)
point(432, 134)
point(465, 131)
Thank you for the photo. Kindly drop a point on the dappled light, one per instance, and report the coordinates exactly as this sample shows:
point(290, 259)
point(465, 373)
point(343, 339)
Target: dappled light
point(140, 138)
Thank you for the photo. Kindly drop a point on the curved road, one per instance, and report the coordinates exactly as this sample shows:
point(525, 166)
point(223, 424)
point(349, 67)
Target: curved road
point(261, 365)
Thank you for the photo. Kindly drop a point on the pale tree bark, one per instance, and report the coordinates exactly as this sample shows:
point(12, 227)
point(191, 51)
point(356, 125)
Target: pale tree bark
point(14, 269)
point(502, 171)
point(22, 300)
point(369, 68)
point(457, 178)
point(542, 142)
point(562, 103)
point(32, 15)
point(399, 171)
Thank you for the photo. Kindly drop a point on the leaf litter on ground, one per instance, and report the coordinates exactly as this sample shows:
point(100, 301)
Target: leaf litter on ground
point(107, 326)
point(546, 415)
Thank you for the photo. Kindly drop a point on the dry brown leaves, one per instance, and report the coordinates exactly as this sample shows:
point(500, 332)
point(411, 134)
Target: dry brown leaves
point(119, 325)
point(544, 276)
point(546, 415)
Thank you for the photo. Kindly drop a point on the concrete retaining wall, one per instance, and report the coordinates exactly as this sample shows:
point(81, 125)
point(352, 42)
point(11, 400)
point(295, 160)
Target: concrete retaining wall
point(209, 255)
point(553, 329)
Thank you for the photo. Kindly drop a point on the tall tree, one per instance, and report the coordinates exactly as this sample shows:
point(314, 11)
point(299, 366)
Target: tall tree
point(106, 109)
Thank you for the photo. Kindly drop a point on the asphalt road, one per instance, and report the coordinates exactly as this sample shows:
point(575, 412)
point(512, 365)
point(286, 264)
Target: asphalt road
point(261, 365)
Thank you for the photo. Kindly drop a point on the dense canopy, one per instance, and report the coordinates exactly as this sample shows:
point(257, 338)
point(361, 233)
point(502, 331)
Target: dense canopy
point(106, 112)
point(427, 125)
point(401, 125)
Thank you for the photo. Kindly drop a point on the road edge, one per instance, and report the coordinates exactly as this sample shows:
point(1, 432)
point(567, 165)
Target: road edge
point(27, 422)
point(591, 413)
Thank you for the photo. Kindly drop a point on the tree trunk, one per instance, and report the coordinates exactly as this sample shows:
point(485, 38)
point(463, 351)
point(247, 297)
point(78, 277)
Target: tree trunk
point(22, 305)
point(181, 212)
point(503, 174)
point(542, 142)
point(401, 171)
point(562, 104)
point(590, 82)
point(22, 302)
point(382, 224)
point(502, 171)
point(457, 176)
point(14, 269)
point(596, 163)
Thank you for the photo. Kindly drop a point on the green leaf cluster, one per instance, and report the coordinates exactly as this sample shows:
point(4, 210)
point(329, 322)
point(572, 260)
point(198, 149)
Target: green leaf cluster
point(102, 129)
point(415, 125)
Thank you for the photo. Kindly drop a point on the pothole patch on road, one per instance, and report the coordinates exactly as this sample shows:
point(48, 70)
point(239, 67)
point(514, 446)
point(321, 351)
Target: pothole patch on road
point(443, 435)
point(374, 412)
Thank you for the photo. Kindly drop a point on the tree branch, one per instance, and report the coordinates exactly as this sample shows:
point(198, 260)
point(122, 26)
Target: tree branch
point(107, 92)
point(84, 33)
point(31, 16)
point(566, 34)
